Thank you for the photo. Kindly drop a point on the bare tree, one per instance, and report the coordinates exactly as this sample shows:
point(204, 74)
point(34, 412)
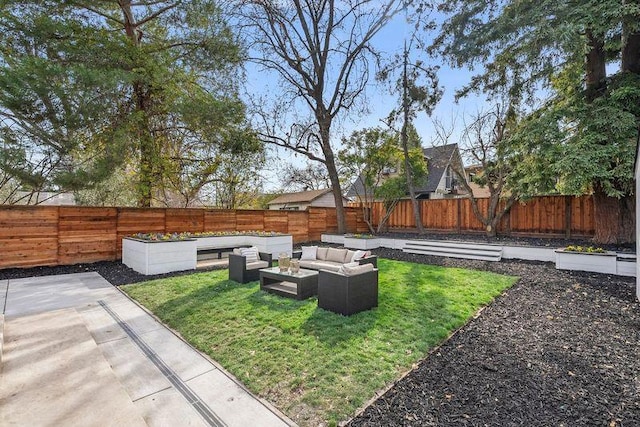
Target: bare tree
point(485, 141)
point(320, 49)
point(311, 177)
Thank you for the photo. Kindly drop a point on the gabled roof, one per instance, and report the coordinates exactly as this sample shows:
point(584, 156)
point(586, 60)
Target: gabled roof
point(299, 197)
point(438, 158)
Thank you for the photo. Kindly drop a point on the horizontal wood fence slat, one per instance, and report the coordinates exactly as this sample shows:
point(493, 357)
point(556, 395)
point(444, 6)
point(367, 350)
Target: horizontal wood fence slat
point(544, 216)
point(56, 235)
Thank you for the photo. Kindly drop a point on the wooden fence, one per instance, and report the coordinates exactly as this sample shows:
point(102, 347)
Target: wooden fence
point(52, 235)
point(564, 216)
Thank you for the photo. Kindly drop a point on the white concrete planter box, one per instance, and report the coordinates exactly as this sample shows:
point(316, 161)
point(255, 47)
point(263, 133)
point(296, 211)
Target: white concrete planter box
point(597, 263)
point(221, 241)
point(273, 245)
point(269, 244)
point(159, 257)
point(362, 244)
point(531, 253)
point(386, 242)
point(332, 238)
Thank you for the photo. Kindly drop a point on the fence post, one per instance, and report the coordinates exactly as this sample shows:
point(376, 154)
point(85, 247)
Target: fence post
point(458, 215)
point(567, 217)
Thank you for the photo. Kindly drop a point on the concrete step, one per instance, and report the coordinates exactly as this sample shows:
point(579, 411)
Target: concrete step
point(454, 250)
point(53, 374)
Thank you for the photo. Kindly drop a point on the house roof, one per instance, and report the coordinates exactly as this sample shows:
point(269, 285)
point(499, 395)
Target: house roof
point(438, 158)
point(299, 197)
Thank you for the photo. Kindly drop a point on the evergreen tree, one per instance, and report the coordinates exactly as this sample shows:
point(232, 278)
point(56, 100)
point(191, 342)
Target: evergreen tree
point(583, 136)
point(95, 86)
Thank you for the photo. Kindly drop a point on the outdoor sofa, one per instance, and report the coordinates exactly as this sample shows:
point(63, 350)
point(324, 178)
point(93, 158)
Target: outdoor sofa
point(332, 259)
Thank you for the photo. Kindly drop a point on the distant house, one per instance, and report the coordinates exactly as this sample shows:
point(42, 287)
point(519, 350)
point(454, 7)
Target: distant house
point(303, 199)
point(479, 192)
point(441, 181)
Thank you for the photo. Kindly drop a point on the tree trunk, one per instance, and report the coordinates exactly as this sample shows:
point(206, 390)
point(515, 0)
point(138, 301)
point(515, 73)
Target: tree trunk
point(405, 144)
point(614, 218)
point(142, 98)
point(330, 162)
point(630, 43)
point(596, 73)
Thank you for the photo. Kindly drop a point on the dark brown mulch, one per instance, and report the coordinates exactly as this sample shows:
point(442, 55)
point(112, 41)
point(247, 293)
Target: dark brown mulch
point(557, 349)
point(114, 271)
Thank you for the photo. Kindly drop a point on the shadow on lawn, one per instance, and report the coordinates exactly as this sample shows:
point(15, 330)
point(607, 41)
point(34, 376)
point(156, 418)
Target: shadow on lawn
point(404, 307)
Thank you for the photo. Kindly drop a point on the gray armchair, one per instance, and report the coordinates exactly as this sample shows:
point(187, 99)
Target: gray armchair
point(243, 272)
point(347, 295)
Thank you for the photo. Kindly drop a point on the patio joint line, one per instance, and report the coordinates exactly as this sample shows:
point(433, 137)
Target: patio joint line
point(6, 296)
point(209, 416)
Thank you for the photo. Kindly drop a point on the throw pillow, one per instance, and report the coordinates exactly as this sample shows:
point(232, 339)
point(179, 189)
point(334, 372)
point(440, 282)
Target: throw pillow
point(322, 253)
point(336, 255)
point(309, 253)
point(349, 256)
point(251, 254)
point(237, 251)
point(358, 255)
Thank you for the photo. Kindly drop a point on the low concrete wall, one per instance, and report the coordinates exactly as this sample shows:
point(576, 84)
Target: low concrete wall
point(622, 265)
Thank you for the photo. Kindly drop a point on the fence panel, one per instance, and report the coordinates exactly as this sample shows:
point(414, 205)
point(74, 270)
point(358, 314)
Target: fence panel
point(219, 220)
point(298, 225)
point(184, 220)
point(87, 234)
point(28, 236)
point(548, 215)
point(49, 235)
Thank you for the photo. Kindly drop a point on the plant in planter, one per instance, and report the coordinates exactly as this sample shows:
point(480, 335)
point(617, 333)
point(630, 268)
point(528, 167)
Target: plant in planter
point(161, 237)
point(236, 233)
point(584, 249)
point(586, 258)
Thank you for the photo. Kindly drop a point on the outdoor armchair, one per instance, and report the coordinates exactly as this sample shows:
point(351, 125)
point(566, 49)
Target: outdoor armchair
point(242, 271)
point(347, 294)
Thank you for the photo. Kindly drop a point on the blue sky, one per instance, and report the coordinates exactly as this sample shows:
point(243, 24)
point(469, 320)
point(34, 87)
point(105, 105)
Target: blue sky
point(390, 40)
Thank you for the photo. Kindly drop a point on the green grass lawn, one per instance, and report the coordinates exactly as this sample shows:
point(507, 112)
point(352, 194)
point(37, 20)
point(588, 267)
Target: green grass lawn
point(314, 365)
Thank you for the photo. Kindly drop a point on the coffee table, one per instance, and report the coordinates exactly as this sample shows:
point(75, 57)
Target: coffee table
point(300, 285)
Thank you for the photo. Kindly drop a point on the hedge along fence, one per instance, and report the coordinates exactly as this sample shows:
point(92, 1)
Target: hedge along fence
point(58, 235)
point(565, 216)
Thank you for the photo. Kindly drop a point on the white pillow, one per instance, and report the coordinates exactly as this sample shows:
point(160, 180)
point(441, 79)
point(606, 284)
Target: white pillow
point(309, 253)
point(251, 254)
point(358, 256)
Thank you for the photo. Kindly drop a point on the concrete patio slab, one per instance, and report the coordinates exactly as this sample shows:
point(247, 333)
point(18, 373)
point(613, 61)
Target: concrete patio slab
point(231, 402)
point(166, 380)
point(101, 325)
point(39, 294)
point(46, 356)
point(135, 317)
point(137, 374)
point(184, 360)
point(166, 409)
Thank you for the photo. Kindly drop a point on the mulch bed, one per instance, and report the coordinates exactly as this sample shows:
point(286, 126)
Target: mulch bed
point(558, 348)
point(115, 272)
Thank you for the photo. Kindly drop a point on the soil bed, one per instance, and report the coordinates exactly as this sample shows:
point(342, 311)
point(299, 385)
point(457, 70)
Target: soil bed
point(559, 348)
